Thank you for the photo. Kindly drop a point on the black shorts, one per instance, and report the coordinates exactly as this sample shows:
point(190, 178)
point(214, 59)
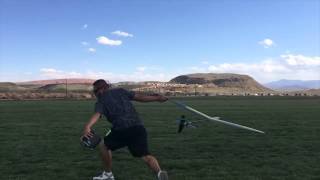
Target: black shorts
point(135, 138)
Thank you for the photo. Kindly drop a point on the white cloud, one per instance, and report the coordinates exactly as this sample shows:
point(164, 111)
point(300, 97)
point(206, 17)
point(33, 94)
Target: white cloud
point(204, 62)
point(105, 41)
point(58, 74)
point(151, 69)
point(85, 26)
point(196, 69)
point(112, 77)
point(266, 43)
point(49, 70)
point(121, 33)
point(92, 50)
point(16, 76)
point(84, 43)
point(287, 66)
point(300, 60)
point(141, 68)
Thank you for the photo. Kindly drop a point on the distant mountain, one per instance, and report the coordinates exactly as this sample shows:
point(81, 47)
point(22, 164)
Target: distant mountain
point(183, 85)
point(9, 87)
point(59, 81)
point(62, 87)
point(224, 80)
point(313, 91)
point(293, 85)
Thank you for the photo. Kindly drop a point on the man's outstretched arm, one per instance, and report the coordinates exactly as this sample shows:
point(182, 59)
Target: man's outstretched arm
point(87, 128)
point(149, 98)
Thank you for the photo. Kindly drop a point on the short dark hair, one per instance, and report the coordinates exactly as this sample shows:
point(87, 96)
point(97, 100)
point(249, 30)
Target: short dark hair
point(99, 86)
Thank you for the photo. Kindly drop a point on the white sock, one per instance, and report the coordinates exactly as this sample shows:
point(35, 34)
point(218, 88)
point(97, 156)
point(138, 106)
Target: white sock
point(108, 173)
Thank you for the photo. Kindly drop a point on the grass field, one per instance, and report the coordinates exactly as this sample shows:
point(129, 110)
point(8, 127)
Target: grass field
point(40, 140)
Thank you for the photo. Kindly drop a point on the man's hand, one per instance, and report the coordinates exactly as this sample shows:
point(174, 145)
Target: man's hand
point(87, 133)
point(87, 128)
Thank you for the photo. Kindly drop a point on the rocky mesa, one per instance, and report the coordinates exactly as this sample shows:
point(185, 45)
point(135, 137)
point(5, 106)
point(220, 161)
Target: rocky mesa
point(225, 80)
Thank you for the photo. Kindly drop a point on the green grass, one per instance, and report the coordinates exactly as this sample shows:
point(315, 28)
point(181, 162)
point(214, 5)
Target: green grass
point(40, 140)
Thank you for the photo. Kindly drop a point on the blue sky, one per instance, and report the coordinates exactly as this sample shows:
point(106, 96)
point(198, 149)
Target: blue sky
point(156, 40)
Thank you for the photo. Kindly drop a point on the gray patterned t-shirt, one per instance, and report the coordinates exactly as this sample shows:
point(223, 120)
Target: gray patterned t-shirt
point(116, 105)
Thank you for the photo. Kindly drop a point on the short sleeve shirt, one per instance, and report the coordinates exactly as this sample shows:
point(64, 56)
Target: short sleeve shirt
point(116, 105)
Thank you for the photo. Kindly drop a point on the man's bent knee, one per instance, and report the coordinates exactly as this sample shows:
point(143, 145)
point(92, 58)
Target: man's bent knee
point(103, 147)
point(148, 158)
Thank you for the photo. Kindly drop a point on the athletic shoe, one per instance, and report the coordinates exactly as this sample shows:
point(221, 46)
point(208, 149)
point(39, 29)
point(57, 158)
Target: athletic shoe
point(104, 176)
point(163, 175)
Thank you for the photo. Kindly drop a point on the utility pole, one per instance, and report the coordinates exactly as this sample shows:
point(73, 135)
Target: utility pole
point(66, 88)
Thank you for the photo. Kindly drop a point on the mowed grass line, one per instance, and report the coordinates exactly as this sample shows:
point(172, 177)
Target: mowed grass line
point(40, 140)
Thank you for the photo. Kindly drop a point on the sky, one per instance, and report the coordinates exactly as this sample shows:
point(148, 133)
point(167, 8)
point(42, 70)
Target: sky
point(143, 40)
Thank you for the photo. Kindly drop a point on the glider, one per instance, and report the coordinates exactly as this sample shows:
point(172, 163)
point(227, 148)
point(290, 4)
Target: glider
point(184, 123)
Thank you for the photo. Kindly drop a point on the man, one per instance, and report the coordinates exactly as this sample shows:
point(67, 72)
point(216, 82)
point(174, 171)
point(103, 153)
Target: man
point(127, 128)
point(183, 122)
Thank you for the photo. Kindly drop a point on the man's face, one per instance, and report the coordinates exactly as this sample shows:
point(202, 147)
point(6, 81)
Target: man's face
point(99, 88)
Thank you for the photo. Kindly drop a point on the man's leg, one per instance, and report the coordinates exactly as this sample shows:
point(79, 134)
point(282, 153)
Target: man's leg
point(138, 147)
point(106, 157)
point(152, 162)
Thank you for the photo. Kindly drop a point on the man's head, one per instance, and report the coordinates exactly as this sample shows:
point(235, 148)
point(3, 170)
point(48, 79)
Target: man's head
point(100, 86)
